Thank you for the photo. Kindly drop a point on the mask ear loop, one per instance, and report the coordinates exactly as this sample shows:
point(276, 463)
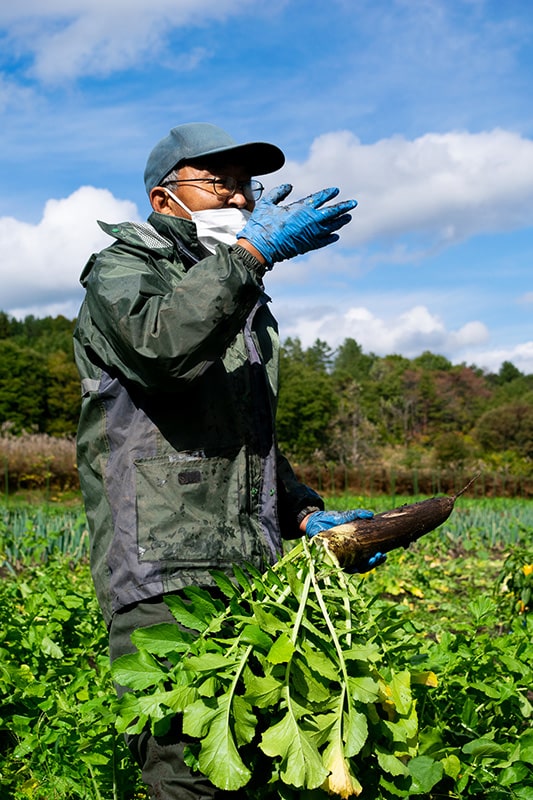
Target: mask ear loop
point(178, 201)
point(184, 251)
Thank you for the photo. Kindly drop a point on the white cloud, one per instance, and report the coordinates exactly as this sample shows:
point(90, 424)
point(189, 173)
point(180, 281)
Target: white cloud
point(69, 309)
point(71, 38)
point(41, 264)
point(521, 355)
point(439, 189)
point(409, 333)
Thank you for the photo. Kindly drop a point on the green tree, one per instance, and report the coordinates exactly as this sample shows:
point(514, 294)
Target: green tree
point(508, 372)
point(62, 395)
point(432, 362)
point(350, 361)
point(318, 357)
point(387, 404)
point(47, 335)
point(507, 427)
point(5, 325)
point(39, 383)
point(520, 388)
point(353, 436)
point(307, 405)
point(22, 386)
point(451, 449)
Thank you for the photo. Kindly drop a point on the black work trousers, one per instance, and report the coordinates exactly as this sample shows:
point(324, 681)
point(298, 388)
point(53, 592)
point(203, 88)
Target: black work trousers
point(160, 757)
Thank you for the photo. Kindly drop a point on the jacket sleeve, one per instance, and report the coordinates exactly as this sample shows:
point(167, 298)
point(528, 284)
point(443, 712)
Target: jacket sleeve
point(161, 326)
point(293, 497)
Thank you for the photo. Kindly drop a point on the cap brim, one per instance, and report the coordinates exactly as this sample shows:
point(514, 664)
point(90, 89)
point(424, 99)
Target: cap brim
point(258, 158)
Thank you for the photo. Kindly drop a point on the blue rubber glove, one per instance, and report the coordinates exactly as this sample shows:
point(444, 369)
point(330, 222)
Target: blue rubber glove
point(281, 232)
point(323, 520)
point(366, 566)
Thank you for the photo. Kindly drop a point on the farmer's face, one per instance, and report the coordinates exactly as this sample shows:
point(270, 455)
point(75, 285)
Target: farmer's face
point(201, 187)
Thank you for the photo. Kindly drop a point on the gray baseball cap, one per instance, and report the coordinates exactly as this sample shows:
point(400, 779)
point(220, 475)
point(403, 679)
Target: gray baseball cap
point(196, 140)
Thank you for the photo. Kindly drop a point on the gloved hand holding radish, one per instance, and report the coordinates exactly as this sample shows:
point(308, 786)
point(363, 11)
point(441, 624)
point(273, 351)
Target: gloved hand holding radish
point(323, 520)
point(319, 521)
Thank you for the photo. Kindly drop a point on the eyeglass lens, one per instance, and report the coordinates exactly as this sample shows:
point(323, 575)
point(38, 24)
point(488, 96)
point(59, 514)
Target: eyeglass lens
point(229, 185)
point(226, 187)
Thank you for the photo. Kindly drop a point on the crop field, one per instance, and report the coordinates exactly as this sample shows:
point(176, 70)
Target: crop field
point(444, 699)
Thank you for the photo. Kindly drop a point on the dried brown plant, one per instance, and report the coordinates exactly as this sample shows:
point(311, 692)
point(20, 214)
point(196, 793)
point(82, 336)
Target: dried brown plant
point(34, 460)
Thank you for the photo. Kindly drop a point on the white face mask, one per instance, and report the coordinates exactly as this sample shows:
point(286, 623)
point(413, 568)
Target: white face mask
point(216, 225)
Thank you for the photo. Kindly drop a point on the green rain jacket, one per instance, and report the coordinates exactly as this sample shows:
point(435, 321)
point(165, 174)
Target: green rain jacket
point(178, 356)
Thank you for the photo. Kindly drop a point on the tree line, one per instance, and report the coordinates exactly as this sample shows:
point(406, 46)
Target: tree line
point(343, 406)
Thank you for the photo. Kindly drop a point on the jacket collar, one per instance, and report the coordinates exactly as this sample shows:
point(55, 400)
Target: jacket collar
point(158, 233)
point(170, 227)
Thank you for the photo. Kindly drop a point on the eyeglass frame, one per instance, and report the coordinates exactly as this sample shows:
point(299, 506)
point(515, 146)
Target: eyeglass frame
point(247, 187)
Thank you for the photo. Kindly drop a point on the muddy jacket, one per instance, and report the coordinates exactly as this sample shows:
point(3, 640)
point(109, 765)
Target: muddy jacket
point(178, 356)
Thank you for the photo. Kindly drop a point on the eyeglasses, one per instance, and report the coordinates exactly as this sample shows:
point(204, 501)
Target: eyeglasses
point(227, 187)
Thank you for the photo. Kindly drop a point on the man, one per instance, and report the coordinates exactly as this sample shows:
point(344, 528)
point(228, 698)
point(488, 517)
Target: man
point(178, 356)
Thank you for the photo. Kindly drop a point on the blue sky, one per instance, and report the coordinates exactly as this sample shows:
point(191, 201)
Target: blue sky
point(420, 109)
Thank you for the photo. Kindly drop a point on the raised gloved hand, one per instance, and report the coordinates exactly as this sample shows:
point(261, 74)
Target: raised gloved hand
point(323, 520)
point(281, 232)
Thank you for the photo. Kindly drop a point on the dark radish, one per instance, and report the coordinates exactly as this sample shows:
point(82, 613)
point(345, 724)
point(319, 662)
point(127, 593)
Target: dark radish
point(353, 543)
